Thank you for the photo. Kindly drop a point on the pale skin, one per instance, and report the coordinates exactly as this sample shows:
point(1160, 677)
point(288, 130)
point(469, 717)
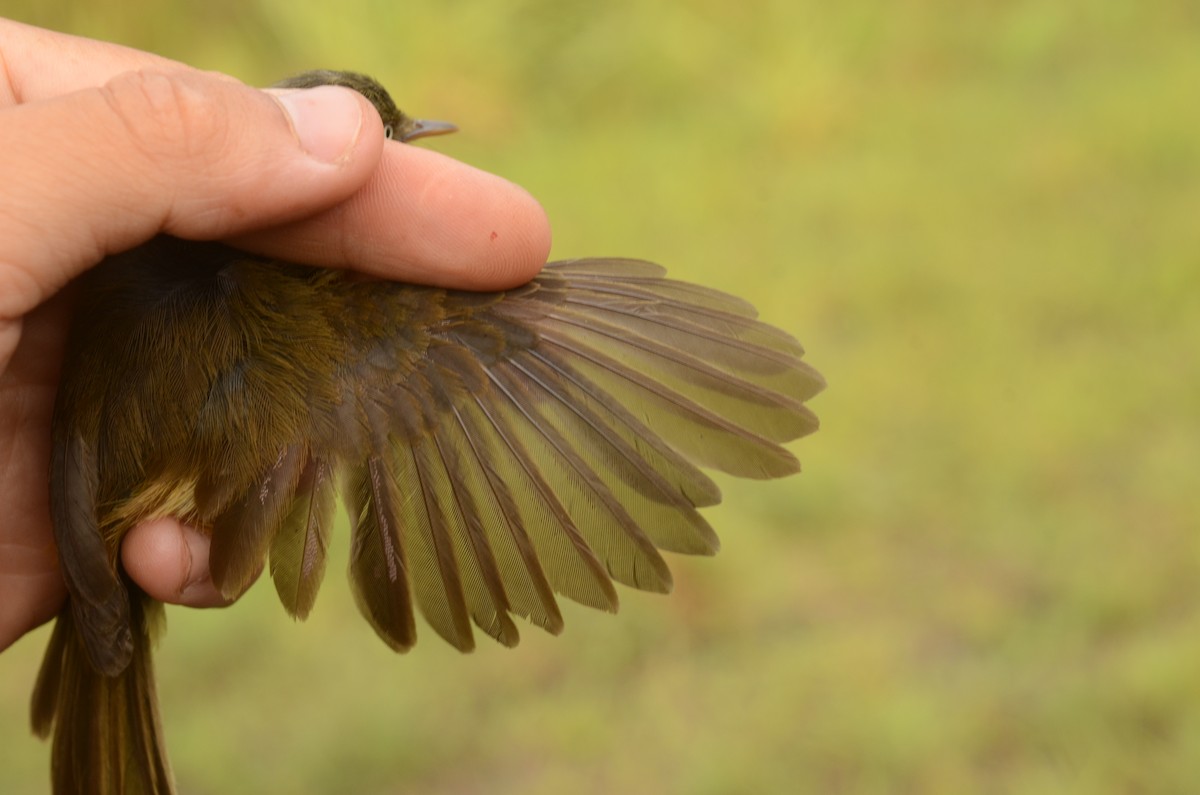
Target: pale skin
point(103, 147)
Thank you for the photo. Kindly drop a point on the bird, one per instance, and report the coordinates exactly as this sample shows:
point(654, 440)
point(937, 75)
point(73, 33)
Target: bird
point(493, 450)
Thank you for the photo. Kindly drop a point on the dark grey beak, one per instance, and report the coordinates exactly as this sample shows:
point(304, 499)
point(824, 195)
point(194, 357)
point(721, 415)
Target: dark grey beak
point(423, 128)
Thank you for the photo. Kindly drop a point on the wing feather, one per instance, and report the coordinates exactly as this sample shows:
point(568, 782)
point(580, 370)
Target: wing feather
point(571, 567)
point(298, 550)
point(629, 556)
point(501, 448)
point(473, 451)
point(378, 570)
point(243, 532)
point(426, 525)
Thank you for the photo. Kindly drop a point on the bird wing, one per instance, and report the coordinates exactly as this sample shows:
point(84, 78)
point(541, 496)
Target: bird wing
point(501, 448)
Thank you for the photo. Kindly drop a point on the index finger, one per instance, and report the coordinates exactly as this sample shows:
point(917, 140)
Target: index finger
point(422, 217)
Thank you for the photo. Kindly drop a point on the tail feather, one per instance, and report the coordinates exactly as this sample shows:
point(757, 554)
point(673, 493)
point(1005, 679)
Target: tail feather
point(107, 739)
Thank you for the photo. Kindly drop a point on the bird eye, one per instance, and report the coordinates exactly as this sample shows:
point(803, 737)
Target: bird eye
point(387, 131)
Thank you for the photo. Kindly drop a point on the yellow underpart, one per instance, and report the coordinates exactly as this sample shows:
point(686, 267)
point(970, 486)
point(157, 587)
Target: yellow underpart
point(176, 498)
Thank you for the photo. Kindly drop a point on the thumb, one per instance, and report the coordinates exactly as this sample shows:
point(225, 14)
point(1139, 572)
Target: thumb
point(193, 154)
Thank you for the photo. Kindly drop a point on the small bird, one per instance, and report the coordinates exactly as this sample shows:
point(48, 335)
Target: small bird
point(492, 450)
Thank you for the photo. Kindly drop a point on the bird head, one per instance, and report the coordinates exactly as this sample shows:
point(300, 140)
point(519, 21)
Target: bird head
point(396, 124)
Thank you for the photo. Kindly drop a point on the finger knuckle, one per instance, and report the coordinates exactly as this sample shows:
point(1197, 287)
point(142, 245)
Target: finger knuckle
point(166, 115)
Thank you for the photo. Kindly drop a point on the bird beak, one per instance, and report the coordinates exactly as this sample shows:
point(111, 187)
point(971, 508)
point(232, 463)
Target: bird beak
point(423, 128)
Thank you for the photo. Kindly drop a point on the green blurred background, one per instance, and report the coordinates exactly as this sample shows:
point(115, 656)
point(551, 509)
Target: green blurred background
point(983, 220)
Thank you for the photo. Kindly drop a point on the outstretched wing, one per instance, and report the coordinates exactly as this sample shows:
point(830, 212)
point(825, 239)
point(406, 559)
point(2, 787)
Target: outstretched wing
point(548, 440)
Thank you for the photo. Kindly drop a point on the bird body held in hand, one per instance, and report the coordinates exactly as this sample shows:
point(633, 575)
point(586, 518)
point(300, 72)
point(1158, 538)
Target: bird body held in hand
point(492, 450)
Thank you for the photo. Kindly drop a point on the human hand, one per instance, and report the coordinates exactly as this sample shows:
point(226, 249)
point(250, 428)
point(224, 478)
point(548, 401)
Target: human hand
point(103, 147)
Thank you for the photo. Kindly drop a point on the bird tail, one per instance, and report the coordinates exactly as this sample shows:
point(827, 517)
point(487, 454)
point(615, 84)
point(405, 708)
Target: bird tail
point(107, 736)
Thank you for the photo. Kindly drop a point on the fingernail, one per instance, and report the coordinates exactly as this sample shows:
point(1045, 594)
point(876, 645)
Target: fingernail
point(326, 120)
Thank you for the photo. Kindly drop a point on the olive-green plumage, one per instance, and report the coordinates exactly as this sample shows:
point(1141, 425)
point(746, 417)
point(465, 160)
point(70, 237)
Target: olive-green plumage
point(491, 449)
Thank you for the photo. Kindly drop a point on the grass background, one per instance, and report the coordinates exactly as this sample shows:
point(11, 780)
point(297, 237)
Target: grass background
point(981, 219)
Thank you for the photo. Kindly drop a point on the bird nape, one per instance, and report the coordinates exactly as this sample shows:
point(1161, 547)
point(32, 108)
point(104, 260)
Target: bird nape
point(492, 450)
